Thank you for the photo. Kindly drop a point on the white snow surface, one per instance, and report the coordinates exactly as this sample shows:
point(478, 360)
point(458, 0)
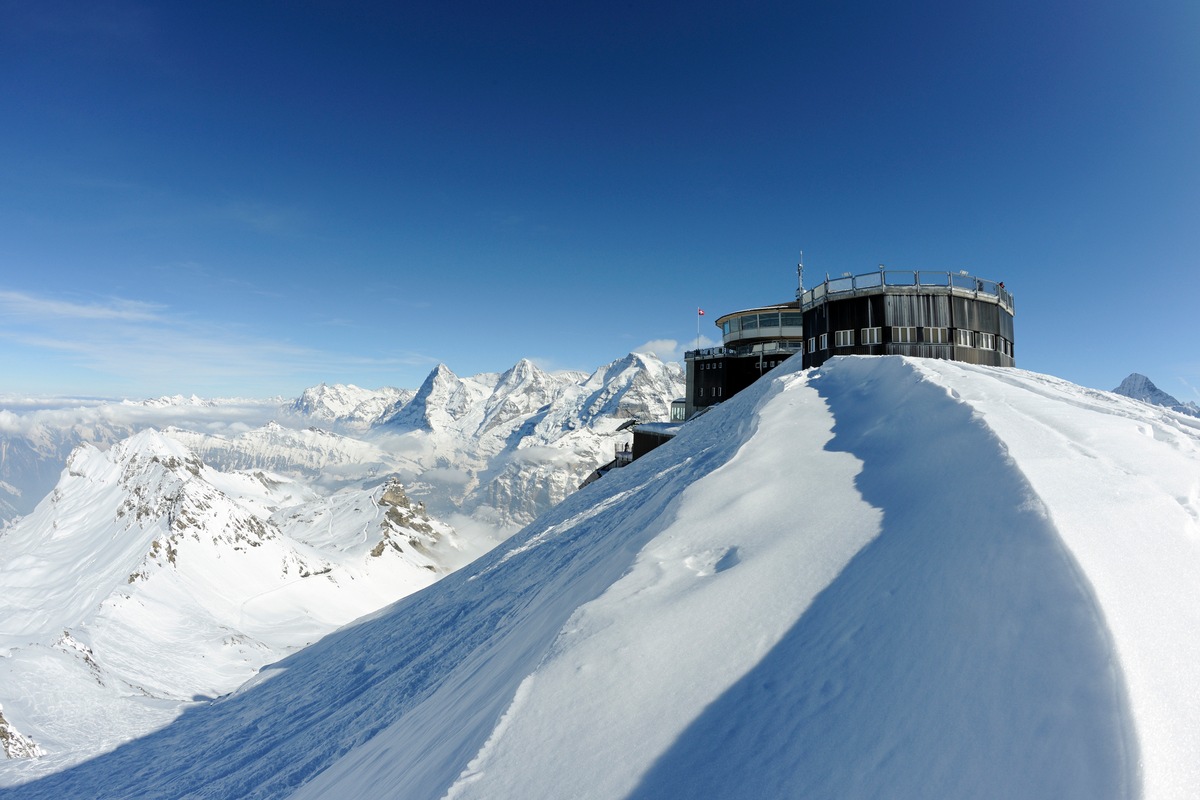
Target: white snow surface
point(148, 579)
point(886, 577)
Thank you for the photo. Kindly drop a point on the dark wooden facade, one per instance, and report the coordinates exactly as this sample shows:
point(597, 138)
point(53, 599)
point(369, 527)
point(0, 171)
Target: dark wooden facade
point(958, 317)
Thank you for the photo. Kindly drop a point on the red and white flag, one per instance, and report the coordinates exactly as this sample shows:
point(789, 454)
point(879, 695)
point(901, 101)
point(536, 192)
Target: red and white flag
point(700, 312)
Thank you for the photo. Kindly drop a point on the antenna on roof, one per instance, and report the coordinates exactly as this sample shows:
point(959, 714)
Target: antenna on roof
point(800, 275)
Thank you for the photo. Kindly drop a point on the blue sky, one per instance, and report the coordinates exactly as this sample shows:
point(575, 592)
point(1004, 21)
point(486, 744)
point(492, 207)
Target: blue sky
point(250, 198)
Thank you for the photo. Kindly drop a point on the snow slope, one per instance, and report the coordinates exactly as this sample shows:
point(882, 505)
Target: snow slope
point(147, 578)
point(883, 578)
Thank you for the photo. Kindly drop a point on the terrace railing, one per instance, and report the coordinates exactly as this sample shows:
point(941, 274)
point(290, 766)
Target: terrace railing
point(903, 281)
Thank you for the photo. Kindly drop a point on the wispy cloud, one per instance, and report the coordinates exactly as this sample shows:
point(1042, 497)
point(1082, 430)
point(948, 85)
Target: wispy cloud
point(262, 217)
point(28, 306)
point(145, 349)
point(672, 349)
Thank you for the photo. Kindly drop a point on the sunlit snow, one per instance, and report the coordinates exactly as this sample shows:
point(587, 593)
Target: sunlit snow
point(883, 578)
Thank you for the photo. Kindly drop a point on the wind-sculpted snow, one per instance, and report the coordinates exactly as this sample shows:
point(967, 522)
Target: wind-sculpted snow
point(960, 654)
point(884, 578)
point(453, 659)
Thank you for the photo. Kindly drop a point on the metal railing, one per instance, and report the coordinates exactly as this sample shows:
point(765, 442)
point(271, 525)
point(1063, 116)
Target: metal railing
point(958, 283)
point(788, 346)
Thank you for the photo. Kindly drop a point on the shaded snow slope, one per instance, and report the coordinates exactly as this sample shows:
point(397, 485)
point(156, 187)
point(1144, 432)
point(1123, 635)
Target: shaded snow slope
point(883, 578)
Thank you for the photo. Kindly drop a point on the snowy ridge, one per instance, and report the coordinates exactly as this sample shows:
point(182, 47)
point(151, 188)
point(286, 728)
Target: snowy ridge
point(148, 578)
point(886, 577)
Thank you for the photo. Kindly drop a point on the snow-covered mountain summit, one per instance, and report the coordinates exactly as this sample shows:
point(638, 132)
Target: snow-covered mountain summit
point(883, 578)
point(505, 448)
point(1139, 387)
point(348, 405)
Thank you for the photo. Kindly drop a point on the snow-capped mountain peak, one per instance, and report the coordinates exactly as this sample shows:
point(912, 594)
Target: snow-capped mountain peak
point(442, 400)
point(347, 404)
point(1139, 387)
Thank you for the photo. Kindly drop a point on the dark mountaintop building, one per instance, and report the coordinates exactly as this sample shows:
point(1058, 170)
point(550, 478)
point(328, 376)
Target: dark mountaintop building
point(950, 315)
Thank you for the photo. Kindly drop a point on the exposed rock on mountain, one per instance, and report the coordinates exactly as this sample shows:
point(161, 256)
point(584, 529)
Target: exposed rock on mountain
point(13, 744)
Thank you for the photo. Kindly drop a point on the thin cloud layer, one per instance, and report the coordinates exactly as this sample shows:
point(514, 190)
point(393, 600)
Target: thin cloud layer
point(129, 348)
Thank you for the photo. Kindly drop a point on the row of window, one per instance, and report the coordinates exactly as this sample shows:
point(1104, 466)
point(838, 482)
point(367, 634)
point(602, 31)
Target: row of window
point(712, 365)
point(717, 391)
point(908, 335)
point(752, 322)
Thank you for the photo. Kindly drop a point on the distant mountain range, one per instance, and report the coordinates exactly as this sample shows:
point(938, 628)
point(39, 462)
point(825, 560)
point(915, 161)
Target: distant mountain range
point(497, 447)
point(163, 551)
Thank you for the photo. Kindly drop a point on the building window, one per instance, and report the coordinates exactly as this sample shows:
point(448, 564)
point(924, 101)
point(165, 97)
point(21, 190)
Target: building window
point(791, 319)
point(812, 344)
point(768, 320)
point(904, 335)
point(964, 338)
point(824, 341)
point(987, 341)
point(937, 335)
point(843, 338)
point(872, 335)
point(750, 323)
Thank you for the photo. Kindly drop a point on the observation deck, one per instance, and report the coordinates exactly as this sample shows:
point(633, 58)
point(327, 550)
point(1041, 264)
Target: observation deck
point(957, 284)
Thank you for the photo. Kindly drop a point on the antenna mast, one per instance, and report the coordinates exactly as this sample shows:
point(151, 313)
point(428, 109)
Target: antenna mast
point(800, 276)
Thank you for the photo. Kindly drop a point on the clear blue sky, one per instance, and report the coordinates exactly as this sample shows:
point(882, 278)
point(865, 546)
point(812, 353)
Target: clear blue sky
point(249, 198)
